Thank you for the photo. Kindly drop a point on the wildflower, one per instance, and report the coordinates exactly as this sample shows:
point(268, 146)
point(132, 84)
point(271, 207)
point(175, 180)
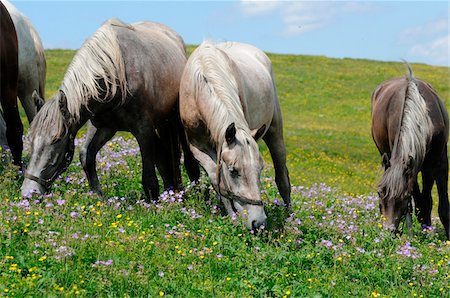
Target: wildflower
point(161, 293)
point(375, 294)
point(160, 273)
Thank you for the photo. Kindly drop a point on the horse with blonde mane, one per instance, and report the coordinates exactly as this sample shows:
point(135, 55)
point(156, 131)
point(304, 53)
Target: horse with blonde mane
point(410, 128)
point(227, 102)
point(124, 77)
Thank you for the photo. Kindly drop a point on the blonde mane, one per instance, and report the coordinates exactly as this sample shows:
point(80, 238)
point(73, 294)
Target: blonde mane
point(415, 133)
point(98, 60)
point(50, 120)
point(213, 75)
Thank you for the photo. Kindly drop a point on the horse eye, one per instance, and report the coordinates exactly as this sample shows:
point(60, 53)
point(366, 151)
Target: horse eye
point(234, 173)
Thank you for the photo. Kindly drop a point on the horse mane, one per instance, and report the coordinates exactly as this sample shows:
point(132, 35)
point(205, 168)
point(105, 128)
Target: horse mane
point(212, 73)
point(412, 139)
point(49, 120)
point(97, 72)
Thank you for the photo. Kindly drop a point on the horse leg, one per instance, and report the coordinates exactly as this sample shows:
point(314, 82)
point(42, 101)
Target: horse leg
point(96, 138)
point(146, 140)
point(275, 142)
point(168, 157)
point(418, 202)
point(442, 186)
point(14, 131)
point(427, 200)
point(190, 163)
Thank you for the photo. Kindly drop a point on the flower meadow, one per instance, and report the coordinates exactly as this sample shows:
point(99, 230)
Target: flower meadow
point(72, 243)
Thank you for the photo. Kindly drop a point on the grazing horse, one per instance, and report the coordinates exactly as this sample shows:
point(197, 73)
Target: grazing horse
point(227, 102)
point(410, 129)
point(32, 64)
point(124, 77)
point(8, 89)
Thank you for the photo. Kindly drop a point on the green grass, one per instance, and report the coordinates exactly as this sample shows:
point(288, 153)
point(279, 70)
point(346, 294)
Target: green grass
point(70, 243)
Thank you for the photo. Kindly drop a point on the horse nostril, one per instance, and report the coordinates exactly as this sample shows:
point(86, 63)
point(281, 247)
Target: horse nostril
point(254, 225)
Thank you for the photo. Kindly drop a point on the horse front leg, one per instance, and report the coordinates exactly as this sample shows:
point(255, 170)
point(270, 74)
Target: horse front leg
point(275, 142)
point(146, 140)
point(96, 138)
point(427, 200)
point(14, 132)
point(168, 157)
point(442, 186)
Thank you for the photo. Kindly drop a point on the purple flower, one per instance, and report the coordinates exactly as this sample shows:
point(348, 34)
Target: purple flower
point(409, 251)
point(160, 273)
point(104, 263)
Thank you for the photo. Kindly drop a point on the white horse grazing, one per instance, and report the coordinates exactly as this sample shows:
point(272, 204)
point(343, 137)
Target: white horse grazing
point(227, 102)
point(32, 65)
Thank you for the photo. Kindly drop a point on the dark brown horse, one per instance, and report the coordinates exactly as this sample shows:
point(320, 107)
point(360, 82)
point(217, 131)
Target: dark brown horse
point(8, 90)
point(410, 129)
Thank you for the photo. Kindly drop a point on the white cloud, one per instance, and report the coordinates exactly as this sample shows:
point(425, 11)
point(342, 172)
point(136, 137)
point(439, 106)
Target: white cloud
point(255, 7)
point(429, 42)
point(437, 51)
point(299, 17)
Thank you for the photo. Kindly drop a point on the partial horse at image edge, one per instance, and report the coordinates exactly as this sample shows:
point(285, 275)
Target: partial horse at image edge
point(9, 73)
point(410, 128)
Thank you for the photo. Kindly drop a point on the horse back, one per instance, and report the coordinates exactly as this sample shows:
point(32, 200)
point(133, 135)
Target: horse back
point(154, 59)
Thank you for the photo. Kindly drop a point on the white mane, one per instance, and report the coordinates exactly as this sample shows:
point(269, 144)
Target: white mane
point(415, 133)
point(99, 59)
point(416, 129)
point(212, 74)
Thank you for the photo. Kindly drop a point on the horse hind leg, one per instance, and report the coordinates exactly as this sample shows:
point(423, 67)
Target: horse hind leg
point(96, 138)
point(274, 140)
point(442, 186)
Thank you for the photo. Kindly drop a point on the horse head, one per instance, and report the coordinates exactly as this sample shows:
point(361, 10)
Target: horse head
point(239, 169)
point(52, 146)
point(395, 189)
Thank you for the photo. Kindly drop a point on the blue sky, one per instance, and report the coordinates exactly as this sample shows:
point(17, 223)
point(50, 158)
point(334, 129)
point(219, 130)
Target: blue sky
point(417, 31)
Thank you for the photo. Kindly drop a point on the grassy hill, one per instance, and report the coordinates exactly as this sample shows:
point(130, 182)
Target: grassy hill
point(330, 244)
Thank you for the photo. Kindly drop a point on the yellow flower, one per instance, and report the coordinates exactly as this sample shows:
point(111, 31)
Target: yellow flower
point(161, 293)
point(288, 292)
point(119, 216)
point(375, 294)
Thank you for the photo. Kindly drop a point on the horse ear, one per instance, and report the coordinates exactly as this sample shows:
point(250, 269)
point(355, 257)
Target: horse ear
point(385, 161)
point(258, 133)
point(230, 134)
point(38, 101)
point(63, 107)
